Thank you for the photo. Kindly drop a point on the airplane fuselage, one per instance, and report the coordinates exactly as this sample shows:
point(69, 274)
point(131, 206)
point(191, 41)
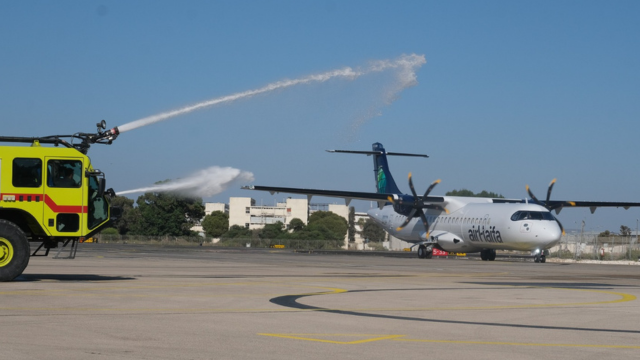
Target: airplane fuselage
point(477, 226)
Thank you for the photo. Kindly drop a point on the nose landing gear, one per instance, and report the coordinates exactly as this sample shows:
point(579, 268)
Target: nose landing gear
point(540, 256)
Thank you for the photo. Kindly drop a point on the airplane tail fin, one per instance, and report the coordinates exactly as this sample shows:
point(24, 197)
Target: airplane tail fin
point(384, 180)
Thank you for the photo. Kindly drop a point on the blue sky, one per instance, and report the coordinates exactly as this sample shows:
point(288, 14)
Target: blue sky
point(512, 93)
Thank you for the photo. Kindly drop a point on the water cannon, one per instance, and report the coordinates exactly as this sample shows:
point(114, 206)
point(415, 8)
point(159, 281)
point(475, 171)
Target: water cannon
point(105, 136)
point(86, 139)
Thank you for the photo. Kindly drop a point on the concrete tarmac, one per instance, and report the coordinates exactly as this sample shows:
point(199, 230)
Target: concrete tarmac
point(146, 302)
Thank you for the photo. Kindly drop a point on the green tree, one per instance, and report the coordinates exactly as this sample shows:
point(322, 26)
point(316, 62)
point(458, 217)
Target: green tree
point(272, 231)
point(469, 193)
point(352, 224)
point(372, 231)
point(109, 231)
point(167, 214)
point(129, 215)
point(238, 232)
point(333, 223)
point(625, 231)
point(216, 224)
point(605, 233)
point(296, 225)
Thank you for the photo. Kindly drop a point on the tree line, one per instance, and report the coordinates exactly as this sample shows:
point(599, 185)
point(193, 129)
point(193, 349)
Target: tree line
point(159, 214)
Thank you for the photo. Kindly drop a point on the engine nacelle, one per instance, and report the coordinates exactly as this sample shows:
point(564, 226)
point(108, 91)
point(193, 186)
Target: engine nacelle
point(450, 242)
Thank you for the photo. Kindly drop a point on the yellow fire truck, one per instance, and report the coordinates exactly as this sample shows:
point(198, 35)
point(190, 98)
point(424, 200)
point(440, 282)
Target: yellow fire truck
point(50, 196)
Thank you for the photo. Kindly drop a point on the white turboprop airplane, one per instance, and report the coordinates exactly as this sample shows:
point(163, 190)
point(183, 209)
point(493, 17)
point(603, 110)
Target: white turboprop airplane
point(456, 224)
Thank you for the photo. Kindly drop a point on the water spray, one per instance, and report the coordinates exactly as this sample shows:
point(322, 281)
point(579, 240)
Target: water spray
point(203, 183)
point(406, 64)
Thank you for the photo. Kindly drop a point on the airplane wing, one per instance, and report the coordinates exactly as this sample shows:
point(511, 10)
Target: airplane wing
point(592, 205)
point(558, 205)
point(347, 195)
point(383, 198)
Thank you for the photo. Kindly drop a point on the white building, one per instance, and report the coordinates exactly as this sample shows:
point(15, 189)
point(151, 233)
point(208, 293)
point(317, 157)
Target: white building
point(208, 209)
point(211, 207)
point(244, 212)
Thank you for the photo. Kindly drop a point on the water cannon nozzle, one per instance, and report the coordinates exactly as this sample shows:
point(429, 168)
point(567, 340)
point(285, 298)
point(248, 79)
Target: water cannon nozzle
point(107, 136)
point(113, 133)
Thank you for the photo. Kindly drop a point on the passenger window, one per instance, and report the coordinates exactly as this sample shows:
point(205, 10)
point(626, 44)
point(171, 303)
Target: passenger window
point(64, 173)
point(27, 172)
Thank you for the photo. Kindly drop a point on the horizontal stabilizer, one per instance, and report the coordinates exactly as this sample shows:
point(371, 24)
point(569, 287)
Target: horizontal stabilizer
point(368, 153)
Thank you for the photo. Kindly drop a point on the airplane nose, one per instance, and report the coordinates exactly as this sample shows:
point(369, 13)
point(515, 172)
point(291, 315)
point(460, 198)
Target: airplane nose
point(551, 235)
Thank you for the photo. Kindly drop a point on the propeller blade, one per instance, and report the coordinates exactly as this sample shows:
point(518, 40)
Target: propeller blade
point(425, 222)
point(413, 190)
point(390, 199)
point(436, 207)
point(433, 184)
point(531, 195)
point(561, 227)
point(556, 207)
point(549, 192)
point(407, 220)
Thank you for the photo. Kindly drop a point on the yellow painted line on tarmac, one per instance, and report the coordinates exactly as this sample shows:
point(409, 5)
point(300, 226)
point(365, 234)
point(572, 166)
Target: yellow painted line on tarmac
point(623, 298)
point(306, 337)
point(402, 338)
point(99, 291)
point(464, 342)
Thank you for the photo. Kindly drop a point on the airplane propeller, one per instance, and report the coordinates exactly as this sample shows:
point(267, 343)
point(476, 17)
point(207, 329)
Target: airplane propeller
point(548, 205)
point(418, 205)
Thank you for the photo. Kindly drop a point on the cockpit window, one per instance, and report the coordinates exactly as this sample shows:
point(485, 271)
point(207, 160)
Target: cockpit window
point(532, 215)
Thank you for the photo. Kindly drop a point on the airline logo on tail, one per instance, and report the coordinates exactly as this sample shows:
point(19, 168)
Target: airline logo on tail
point(382, 180)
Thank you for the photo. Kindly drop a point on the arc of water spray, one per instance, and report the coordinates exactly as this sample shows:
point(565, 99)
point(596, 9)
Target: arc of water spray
point(408, 64)
point(203, 183)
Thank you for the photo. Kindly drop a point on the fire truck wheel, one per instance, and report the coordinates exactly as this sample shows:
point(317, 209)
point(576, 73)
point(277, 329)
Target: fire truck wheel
point(14, 251)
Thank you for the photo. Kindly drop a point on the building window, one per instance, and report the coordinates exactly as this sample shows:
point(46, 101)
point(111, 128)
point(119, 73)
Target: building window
point(246, 225)
point(247, 210)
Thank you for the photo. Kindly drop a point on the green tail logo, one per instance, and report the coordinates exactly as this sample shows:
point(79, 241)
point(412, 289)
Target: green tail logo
point(382, 181)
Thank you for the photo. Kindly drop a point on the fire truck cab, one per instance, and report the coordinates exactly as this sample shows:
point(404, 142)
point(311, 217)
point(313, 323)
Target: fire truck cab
point(50, 195)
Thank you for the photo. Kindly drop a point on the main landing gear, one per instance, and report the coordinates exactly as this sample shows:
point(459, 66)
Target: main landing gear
point(424, 253)
point(488, 254)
